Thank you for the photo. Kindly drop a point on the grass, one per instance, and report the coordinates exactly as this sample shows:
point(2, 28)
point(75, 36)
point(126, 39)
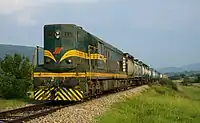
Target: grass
point(160, 104)
point(4, 103)
point(181, 80)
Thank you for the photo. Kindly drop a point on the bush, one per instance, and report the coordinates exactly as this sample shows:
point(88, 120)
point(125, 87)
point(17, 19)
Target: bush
point(15, 77)
point(197, 79)
point(168, 83)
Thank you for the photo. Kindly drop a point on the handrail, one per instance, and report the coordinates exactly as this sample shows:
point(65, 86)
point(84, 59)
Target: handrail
point(90, 64)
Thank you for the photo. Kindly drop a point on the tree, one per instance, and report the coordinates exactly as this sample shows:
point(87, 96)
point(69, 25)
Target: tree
point(198, 78)
point(16, 76)
point(182, 75)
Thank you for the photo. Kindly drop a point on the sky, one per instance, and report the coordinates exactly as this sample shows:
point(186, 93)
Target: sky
point(162, 33)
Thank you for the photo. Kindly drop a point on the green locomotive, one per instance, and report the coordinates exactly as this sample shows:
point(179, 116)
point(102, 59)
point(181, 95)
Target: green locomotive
point(78, 65)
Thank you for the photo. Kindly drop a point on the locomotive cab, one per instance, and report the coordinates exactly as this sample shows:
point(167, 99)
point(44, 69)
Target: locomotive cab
point(59, 44)
point(60, 61)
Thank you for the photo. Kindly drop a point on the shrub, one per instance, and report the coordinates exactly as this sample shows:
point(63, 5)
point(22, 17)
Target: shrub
point(197, 79)
point(168, 83)
point(15, 77)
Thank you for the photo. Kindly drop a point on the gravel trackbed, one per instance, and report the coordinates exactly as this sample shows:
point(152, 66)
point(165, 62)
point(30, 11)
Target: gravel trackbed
point(87, 111)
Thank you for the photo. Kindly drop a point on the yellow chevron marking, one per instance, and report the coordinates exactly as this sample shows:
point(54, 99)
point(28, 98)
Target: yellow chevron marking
point(80, 74)
point(40, 98)
point(38, 92)
point(49, 54)
point(56, 98)
point(65, 94)
point(47, 94)
point(59, 98)
point(42, 92)
point(51, 88)
point(44, 95)
point(46, 98)
point(74, 94)
point(72, 97)
point(61, 95)
point(79, 93)
point(39, 95)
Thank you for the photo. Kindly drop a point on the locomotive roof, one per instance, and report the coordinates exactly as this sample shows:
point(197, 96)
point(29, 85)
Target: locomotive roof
point(60, 24)
point(107, 44)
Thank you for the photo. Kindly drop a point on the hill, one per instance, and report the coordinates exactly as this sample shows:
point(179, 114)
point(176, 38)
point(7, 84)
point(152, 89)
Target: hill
point(191, 67)
point(171, 69)
point(23, 50)
point(11, 49)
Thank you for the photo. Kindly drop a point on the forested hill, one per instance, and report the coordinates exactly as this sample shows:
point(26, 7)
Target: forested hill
point(11, 49)
point(189, 67)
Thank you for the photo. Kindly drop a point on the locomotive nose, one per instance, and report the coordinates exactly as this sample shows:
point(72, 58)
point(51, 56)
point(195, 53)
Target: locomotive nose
point(70, 83)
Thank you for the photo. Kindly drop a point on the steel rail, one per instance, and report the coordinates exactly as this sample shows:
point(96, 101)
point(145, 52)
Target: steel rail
point(21, 118)
point(23, 113)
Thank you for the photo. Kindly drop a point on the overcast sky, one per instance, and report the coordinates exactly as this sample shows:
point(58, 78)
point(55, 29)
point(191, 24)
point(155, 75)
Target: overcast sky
point(162, 33)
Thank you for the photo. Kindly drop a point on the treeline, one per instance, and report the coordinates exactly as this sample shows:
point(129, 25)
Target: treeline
point(15, 76)
point(194, 78)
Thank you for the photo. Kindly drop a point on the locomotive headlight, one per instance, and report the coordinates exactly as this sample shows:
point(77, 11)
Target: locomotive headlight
point(57, 34)
point(69, 61)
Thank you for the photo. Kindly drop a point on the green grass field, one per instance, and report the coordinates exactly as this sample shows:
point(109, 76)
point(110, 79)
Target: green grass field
point(4, 103)
point(158, 105)
point(12, 103)
point(181, 80)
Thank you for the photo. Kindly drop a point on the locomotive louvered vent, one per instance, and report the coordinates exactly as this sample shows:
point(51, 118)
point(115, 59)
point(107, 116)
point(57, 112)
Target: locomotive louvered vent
point(124, 64)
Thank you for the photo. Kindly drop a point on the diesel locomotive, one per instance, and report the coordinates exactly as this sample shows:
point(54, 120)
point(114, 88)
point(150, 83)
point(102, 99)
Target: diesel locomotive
point(78, 65)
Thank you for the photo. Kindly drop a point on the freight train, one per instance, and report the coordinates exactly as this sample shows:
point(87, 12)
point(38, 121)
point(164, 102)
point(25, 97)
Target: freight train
point(78, 65)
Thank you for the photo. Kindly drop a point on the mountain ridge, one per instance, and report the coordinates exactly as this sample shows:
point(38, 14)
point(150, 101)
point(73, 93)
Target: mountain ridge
point(189, 67)
point(29, 50)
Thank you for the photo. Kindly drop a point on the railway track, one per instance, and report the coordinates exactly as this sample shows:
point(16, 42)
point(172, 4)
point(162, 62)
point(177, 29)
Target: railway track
point(34, 111)
point(30, 112)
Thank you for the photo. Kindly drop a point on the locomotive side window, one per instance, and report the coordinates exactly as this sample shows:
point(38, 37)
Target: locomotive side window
point(81, 45)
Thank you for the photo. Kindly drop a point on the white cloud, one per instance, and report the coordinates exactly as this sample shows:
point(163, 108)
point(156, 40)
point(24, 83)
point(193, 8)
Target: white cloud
point(23, 10)
point(9, 6)
point(25, 18)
